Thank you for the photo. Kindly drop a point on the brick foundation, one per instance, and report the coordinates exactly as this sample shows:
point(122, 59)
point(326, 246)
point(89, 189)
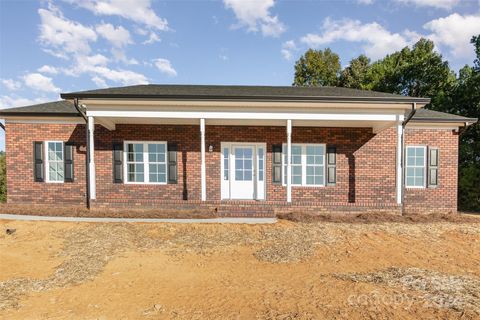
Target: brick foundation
point(365, 169)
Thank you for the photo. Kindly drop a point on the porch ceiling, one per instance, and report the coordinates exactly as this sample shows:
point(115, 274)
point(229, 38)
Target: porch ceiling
point(376, 125)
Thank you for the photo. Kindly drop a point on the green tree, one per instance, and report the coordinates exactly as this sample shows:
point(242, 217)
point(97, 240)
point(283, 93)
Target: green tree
point(465, 100)
point(355, 75)
point(417, 72)
point(317, 68)
point(3, 178)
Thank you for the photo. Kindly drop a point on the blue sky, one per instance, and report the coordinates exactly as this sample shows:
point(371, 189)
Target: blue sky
point(48, 47)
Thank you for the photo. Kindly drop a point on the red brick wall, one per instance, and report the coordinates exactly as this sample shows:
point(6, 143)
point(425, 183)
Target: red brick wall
point(21, 187)
point(365, 165)
point(357, 179)
point(188, 139)
point(442, 198)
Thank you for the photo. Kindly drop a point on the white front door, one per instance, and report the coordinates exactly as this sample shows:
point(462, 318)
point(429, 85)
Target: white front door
point(243, 171)
point(242, 185)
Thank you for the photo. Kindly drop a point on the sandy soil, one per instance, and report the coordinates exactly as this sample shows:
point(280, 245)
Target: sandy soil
point(56, 270)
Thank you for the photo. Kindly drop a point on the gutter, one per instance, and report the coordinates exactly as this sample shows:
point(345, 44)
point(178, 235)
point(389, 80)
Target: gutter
point(37, 114)
point(87, 158)
point(467, 121)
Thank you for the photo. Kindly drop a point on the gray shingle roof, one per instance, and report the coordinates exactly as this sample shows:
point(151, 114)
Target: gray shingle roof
point(240, 92)
point(426, 115)
point(55, 108)
point(67, 109)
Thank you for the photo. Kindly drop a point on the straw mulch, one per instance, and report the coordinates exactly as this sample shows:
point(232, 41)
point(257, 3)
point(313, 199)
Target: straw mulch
point(460, 293)
point(88, 248)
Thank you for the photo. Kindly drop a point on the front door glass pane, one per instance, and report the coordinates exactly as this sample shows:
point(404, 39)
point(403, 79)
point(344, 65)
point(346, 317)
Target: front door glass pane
point(243, 164)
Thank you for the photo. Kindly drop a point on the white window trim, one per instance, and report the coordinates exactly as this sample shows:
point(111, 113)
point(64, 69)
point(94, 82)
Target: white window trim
point(304, 164)
point(146, 163)
point(424, 166)
point(47, 162)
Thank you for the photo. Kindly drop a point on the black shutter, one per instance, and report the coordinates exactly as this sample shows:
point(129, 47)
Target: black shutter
point(117, 162)
point(38, 161)
point(277, 163)
point(68, 161)
point(331, 165)
point(433, 167)
point(172, 163)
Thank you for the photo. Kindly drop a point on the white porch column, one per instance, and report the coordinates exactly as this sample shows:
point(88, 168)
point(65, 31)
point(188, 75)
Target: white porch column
point(399, 161)
point(289, 161)
point(203, 168)
point(91, 159)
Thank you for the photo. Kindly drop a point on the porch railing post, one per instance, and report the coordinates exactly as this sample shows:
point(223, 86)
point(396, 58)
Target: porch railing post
point(91, 158)
point(289, 161)
point(203, 167)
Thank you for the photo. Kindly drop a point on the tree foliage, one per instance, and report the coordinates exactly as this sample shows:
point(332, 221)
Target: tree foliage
point(317, 68)
point(354, 76)
point(419, 71)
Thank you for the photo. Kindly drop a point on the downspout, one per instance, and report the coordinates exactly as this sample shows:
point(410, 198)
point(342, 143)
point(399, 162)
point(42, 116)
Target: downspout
point(87, 158)
point(2, 126)
point(404, 124)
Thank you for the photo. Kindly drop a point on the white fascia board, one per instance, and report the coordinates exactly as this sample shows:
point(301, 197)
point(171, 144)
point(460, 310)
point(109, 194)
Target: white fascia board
point(242, 115)
point(135, 104)
point(45, 120)
point(435, 125)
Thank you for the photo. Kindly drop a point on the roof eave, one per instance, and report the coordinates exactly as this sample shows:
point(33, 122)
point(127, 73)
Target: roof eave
point(38, 114)
point(467, 121)
point(244, 98)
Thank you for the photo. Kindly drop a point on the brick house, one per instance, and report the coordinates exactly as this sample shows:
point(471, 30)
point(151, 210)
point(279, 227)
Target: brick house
point(225, 148)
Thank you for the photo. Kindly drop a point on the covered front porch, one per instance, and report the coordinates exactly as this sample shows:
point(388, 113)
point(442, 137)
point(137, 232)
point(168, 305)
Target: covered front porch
point(236, 155)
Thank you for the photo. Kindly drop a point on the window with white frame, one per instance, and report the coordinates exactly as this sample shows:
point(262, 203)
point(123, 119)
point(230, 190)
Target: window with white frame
point(308, 164)
point(415, 166)
point(146, 162)
point(54, 161)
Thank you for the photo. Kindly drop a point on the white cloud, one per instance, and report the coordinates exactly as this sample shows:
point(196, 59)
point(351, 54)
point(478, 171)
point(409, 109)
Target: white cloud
point(118, 37)
point(455, 32)
point(119, 55)
point(99, 82)
point(165, 66)
point(125, 77)
point(97, 67)
point(62, 34)
point(11, 84)
point(367, 2)
point(255, 15)
point(441, 4)
point(40, 82)
point(376, 39)
point(71, 40)
point(15, 101)
point(85, 63)
point(139, 11)
point(48, 69)
point(153, 37)
point(288, 47)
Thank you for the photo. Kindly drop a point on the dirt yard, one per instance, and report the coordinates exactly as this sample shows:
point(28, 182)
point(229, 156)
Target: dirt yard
point(289, 270)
